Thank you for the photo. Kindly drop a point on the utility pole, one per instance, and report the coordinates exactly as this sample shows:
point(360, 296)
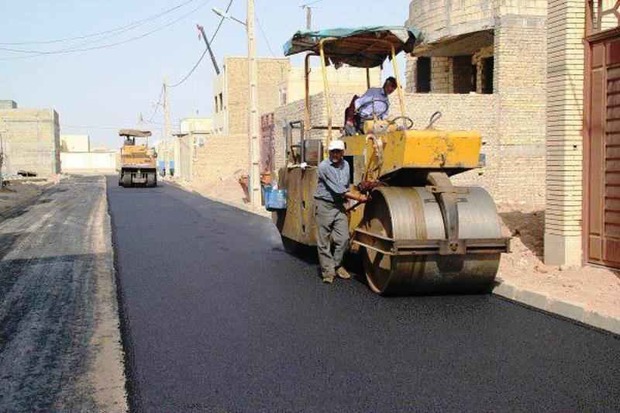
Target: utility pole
point(308, 17)
point(254, 148)
point(166, 127)
point(204, 36)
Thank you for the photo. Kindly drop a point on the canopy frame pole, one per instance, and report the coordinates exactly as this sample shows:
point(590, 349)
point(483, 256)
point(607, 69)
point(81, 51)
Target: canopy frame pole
point(326, 91)
point(307, 125)
point(367, 78)
point(401, 96)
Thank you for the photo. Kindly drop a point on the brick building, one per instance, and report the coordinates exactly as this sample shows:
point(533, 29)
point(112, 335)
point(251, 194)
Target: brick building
point(30, 140)
point(231, 91)
point(278, 83)
point(497, 49)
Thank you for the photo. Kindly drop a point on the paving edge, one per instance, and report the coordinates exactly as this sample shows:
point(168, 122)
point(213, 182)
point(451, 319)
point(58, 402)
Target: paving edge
point(260, 212)
point(558, 307)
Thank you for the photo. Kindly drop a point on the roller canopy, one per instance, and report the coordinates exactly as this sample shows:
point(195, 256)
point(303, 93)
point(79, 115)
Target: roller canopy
point(134, 132)
point(360, 47)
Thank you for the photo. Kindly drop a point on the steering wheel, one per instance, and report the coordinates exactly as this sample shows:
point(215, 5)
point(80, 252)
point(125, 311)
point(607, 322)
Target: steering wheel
point(407, 122)
point(375, 104)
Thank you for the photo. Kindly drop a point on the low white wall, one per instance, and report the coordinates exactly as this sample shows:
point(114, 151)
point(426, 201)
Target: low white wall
point(88, 162)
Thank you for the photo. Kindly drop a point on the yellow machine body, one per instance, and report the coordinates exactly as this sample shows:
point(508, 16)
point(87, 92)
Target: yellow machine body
point(408, 152)
point(137, 156)
point(138, 161)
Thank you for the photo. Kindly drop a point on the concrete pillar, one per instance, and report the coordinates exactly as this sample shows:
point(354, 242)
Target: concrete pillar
point(563, 214)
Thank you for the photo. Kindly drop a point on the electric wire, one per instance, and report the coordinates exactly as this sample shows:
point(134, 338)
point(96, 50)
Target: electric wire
point(105, 46)
point(179, 83)
point(123, 28)
point(157, 105)
point(260, 26)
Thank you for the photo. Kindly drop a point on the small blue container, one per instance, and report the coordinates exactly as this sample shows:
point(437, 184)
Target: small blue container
point(275, 199)
point(266, 191)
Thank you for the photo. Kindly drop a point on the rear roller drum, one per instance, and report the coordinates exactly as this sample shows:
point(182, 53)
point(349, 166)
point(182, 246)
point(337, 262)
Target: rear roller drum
point(151, 180)
point(126, 180)
point(414, 214)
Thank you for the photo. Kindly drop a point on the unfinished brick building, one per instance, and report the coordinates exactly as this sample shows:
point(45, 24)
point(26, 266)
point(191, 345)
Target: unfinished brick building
point(493, 54)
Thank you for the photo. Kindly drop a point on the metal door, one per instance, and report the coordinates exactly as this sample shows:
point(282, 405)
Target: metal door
point(602, 142)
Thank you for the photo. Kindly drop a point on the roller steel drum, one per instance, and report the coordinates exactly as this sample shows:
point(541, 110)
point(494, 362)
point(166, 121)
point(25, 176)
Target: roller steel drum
point(414, 214)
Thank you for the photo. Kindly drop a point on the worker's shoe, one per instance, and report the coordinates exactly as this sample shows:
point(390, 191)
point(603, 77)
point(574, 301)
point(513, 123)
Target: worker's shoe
point(328, 279)
point(343, 273)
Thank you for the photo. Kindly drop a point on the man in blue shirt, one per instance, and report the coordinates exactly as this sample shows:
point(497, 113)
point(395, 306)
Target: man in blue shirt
point(375, 102)
point(332, 191)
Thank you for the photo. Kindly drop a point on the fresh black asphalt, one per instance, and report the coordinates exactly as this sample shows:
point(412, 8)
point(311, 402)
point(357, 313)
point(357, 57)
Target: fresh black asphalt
point(218, 318)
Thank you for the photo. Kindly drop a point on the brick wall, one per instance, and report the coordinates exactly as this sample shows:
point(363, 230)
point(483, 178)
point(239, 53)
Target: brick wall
point(443, 18)
point(564, 140)
point(519, 81)
point(31, 141)
point(520, 84)
point(441, 75)
point(221, 157)
point(271, 73)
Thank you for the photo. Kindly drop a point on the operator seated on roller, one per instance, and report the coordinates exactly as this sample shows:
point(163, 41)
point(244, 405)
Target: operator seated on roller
point(332, 191)
point(375, 102)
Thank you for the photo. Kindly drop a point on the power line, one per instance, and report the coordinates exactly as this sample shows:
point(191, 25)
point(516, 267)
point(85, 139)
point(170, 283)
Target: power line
point(180, 82)
point(126, 27)
point(205, 51)
point(260, 26)
point(105, 46)
point(157, 105)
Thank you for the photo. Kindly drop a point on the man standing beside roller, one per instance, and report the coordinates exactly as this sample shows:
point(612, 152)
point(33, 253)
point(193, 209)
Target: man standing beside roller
point(329, 208)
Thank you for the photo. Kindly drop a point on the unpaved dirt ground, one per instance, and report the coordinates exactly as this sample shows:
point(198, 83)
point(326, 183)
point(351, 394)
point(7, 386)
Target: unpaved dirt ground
point(595, 289)
point(60, 346)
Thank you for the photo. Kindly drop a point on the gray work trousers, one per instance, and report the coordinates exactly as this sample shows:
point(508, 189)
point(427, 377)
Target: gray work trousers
point(333, 228)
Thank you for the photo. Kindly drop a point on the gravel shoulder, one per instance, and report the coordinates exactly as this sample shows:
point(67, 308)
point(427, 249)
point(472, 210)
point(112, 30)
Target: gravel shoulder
point(60, 347)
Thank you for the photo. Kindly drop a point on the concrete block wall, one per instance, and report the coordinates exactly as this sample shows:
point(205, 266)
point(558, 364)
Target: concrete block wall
point(563, 230)
point(221, 157)
point(438, 19)
point(441, 75)
point(271, 73)
point(410, 73)
point(8, 104)
point(520, 85)
point(31, 141)
point(519, 50)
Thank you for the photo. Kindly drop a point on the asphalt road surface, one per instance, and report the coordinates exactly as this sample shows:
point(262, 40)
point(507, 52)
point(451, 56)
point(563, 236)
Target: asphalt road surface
point(60, 346)
point(217, 317)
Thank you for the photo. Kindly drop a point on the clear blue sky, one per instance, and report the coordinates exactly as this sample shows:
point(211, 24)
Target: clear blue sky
point(99, 91)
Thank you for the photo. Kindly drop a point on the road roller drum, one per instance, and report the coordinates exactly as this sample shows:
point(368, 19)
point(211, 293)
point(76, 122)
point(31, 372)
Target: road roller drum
point(403, 237)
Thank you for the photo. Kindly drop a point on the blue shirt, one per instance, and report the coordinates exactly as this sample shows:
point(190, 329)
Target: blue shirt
point(333, 181)
point(379, 106)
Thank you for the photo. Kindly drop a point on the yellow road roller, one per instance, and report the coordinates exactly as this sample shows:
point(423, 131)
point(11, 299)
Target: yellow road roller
point(137, 159)
point(419, 233)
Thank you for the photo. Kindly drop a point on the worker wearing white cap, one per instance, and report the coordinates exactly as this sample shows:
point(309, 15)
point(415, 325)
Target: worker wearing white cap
point(329, 199)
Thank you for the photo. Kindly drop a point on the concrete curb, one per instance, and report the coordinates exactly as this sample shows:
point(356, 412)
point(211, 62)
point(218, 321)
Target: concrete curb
point(572, 311)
